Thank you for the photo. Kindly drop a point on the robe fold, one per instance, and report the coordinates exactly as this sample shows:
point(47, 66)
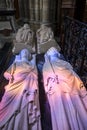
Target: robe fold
point(19, 107)
point(66, 94)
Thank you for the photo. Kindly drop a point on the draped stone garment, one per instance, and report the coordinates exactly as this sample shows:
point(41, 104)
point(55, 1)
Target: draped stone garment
point(19, 108)
point(25, 36)
point(44, 34)
point(66, 94)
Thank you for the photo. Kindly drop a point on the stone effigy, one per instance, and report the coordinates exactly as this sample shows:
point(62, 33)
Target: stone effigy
point(44, 34)
point(24, 35)
point(19, 107)
point(24, 39)
point(66, 93)
point(45, 39)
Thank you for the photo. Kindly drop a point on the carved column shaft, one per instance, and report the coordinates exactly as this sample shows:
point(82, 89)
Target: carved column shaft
point(52, 10)
point(37, 10)
point(31, 10)
point(46, 11)
point(2, 4)
point(21, 9)
point(41, 9)
point(26, 8)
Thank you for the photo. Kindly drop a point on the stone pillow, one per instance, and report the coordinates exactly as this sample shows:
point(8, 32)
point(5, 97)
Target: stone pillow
point(18, 47)
point(42, 48)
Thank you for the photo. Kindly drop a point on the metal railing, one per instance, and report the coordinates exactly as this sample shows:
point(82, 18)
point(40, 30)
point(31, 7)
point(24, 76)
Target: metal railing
point(75, 46)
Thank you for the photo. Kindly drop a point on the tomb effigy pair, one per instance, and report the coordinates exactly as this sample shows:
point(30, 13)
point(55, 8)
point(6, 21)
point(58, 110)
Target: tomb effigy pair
point(25, 38)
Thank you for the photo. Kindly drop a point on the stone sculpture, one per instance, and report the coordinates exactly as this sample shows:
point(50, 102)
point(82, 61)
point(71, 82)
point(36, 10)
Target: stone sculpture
point(45, 39)
point(44, 34)
point(19, 107)
point(24, 39)
point(66, 93)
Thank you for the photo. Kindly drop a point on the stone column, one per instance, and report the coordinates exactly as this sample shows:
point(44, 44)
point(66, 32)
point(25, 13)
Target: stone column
point(41, 9)
point(21, 9)
point(2, 4)
point(45, 11)
point(10, 4)
point(26, 9)
point(31, 10)
point(52, 10)
point(37, 10)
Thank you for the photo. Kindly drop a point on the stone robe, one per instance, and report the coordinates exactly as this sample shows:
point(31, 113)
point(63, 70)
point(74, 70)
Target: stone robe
point(19, 107)
point(66, 94)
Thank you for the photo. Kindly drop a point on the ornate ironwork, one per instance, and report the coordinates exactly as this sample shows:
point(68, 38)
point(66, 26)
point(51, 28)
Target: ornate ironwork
point(75, 46)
